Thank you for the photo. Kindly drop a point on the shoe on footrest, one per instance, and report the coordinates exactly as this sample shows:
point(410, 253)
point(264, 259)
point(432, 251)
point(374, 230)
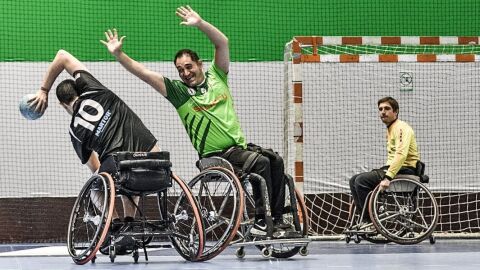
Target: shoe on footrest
point(259, 228)
point(279, 223)
point(124, 245)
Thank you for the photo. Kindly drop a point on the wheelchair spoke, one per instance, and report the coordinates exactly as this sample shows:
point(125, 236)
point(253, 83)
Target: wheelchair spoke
point(416, 224)
point(388, 217)
point(226, 197)
point(219, 222)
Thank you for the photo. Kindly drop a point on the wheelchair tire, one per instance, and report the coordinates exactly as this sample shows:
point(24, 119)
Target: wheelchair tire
point(90, 218)
point(185, 220)
point(406, 213)
point(221, 199)
point(301, 223)
point(299, 218)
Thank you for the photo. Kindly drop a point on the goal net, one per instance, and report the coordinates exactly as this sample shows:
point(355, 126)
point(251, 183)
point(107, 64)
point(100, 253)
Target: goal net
point(333, 85)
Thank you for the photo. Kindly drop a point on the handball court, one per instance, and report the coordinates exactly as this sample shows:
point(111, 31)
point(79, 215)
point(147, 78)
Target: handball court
point(444, 254)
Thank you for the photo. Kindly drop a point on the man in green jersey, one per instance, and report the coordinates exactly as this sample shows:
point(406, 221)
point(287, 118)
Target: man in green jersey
point(205, 106)
point(402, 154)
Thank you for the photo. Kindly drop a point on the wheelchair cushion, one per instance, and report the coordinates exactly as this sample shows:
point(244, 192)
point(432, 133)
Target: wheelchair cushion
point(404, 186)
point(206, 163)
point(144, 171)
point(407, 176)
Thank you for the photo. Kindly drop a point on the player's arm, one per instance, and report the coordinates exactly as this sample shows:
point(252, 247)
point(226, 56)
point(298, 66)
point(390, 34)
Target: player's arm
point(219, 40)
point(114, 46)
point(402, 143)
point(63, 61)
point(93, 162)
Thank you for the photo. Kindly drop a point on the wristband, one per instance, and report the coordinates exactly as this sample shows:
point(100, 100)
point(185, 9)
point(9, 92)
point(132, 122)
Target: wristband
point(44, 89)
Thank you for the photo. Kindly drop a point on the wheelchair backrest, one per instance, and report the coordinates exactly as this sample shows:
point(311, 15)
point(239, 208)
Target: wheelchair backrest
point(420, 166)
point(144, 171)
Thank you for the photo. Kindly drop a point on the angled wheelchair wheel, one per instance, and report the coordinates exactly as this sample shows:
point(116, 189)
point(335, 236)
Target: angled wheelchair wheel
point(405, 213)
point(181, 211)
point(298, 217)
point(221, 200)
point(90, 218)
point(295, 213)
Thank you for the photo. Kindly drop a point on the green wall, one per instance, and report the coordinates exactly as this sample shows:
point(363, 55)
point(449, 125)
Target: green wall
point(33, 30)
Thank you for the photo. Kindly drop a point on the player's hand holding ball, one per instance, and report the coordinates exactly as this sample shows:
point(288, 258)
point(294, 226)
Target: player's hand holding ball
point(33, 106)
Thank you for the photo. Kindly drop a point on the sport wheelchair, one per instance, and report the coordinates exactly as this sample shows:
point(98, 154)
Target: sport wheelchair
point(139, 174)
point(228, 209)
point(406, 213)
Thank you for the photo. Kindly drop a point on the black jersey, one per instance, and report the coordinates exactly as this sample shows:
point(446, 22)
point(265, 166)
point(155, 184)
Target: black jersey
point(103, 123)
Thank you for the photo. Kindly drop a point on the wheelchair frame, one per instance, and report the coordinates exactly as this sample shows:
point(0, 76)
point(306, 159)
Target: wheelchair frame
point(90, 220)
point(236, 194)
point(397, 215)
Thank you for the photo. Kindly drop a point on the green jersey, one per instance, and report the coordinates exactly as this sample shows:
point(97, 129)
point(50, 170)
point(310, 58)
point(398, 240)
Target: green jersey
point(207, 112)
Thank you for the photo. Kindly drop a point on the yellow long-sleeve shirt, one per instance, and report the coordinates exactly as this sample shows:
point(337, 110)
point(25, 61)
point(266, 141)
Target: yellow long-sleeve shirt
point(401, 147)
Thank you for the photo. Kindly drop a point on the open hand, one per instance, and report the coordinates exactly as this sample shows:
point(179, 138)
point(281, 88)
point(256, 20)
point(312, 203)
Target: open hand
point(188, 15)
point(113, 44)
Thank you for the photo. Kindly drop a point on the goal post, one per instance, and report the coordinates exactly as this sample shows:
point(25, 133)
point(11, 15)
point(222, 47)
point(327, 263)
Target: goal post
point(332, 87)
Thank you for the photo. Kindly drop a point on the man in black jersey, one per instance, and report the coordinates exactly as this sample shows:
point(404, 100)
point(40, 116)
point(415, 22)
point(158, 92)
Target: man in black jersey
point(101, 124)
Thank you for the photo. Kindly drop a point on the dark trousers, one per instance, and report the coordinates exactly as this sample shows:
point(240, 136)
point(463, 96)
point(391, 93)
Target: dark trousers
point(362, 183)
point(271, 168)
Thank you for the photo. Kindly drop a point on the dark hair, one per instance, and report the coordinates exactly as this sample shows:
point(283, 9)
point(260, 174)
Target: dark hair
point(390, 101)
point(66, 91)
point(193, 55)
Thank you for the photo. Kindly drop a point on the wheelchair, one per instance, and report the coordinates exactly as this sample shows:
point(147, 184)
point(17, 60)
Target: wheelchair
point(139, 174)
point(228, 209)
point(406, 213)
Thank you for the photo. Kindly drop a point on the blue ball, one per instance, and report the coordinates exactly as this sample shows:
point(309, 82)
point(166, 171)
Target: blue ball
point(28, 111)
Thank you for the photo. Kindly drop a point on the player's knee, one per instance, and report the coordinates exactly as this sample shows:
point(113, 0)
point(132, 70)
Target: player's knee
point(262, 163)
point(276, 160)
point(352, 181)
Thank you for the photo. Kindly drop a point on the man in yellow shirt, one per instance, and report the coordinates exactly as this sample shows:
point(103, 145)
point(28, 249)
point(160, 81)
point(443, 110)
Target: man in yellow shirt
point(402, 154)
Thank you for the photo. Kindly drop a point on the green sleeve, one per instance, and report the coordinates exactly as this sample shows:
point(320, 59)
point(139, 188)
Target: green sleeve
point(220, 74)
point(176, 92)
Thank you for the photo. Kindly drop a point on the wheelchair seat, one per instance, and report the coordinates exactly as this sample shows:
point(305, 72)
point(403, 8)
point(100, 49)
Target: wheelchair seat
point(210, 162)
point(418, 176)
point(143, 172)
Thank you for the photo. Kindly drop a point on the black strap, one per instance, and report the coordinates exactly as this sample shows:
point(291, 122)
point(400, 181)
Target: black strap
point(248, 165)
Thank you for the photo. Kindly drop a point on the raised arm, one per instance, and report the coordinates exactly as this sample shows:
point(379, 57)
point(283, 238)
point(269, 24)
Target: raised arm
point(62, 61)
point(114, 46)
point(219, 40)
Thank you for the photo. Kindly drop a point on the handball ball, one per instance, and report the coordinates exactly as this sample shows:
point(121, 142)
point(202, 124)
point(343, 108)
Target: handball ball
point(28, 111)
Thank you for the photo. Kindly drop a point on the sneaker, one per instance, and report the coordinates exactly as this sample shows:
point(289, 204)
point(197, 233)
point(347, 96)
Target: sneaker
point(115, 227)
point(279, 223)
point(259, 228)
point(124, 245)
